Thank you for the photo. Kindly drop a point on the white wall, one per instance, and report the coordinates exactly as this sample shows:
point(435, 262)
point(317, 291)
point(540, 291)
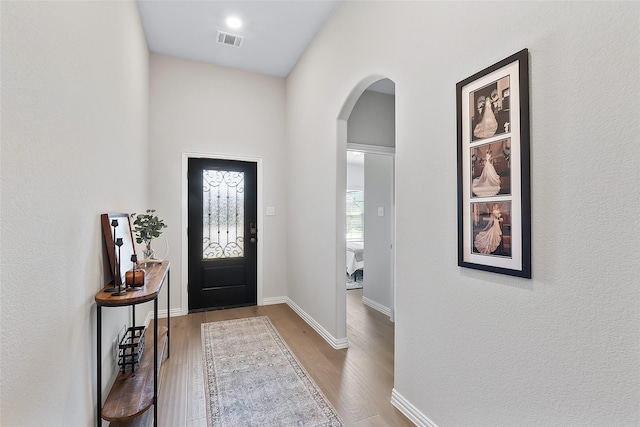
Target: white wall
point(378, 231)
point(475, 348)
point(74, 144)
point(201, 108)
point(372, 120)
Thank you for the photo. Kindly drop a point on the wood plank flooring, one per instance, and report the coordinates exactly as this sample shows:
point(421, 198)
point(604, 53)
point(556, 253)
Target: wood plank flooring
point(357, 381)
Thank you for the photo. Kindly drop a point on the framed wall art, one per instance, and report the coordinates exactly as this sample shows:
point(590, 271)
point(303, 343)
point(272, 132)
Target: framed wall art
point(494, 203)
point(114, 226)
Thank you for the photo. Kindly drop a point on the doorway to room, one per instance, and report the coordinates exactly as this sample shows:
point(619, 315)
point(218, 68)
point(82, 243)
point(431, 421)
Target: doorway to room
point(355, 220)
point(222, 233)
point(370, 217)
point(371, 258)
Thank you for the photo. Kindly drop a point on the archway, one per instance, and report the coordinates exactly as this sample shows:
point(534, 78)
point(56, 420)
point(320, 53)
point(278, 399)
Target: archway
point(378, 89)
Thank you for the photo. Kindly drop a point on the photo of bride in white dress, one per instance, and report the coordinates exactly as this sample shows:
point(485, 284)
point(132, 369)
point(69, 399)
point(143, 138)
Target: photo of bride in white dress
point(490, 110)
point(492, 228)
point(488, 183)
point(488, 124)
point(490, 169)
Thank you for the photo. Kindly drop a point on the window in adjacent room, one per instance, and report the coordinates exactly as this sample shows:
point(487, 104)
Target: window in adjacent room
point(355, 214)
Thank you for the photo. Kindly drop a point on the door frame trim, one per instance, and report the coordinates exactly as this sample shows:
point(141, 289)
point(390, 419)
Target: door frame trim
point(185, 220)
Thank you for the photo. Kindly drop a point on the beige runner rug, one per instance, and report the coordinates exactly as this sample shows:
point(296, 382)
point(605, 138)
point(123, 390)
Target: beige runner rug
point(251, 378)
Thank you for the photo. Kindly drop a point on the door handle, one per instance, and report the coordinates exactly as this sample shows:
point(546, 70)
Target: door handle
point(252, 240)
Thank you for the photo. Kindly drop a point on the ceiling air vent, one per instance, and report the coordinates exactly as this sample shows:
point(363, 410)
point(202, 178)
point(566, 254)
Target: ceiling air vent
point(229, 39)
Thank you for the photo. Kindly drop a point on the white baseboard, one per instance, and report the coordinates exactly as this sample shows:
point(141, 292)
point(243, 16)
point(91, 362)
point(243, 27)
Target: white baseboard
point(274, 300)
point(410, 411)
point(162, 314)
point(379, 307)
point(334, 342)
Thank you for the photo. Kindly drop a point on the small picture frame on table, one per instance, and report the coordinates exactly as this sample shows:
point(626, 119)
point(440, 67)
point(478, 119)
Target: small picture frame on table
point(494, 201)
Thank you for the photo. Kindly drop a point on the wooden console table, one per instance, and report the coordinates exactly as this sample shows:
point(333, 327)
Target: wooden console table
point(133, 393)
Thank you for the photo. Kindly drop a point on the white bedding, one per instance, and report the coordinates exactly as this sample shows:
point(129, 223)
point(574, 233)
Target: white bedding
point(355, 256)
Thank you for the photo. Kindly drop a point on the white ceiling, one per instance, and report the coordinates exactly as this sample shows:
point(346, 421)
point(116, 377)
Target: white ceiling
point(276, 33)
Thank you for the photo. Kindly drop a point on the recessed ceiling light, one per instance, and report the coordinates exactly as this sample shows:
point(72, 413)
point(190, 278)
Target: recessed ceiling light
point(234, 22)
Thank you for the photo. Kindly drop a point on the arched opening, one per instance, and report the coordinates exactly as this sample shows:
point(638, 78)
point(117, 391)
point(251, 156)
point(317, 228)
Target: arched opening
point(366, 213)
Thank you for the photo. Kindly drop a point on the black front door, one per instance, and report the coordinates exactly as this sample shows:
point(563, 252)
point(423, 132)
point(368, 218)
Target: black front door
point(222, 234)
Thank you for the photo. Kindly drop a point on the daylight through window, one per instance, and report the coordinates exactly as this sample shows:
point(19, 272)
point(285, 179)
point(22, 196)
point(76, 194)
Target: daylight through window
point(355, 214)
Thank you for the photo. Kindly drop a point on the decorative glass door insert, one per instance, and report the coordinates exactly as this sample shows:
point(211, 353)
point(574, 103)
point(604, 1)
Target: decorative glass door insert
point(223, 214)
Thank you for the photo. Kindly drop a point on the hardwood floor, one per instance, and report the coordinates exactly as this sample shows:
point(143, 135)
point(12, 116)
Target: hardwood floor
point(357, 381)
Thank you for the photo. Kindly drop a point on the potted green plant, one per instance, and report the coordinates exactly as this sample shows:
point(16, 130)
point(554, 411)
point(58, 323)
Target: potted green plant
point(147, 227)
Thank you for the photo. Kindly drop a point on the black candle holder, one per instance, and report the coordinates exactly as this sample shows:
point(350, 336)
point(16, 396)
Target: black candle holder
point(133, 287)
point(118, 279)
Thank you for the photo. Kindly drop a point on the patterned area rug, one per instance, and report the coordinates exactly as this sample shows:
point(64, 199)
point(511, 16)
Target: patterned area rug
point(251, 378)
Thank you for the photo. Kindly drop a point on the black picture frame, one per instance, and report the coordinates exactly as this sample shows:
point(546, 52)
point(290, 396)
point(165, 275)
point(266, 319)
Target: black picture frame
point(494, 185)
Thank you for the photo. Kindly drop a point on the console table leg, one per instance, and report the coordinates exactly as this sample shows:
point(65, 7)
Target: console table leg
point(168, 314)
point(99, 365)
point(155, 362)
